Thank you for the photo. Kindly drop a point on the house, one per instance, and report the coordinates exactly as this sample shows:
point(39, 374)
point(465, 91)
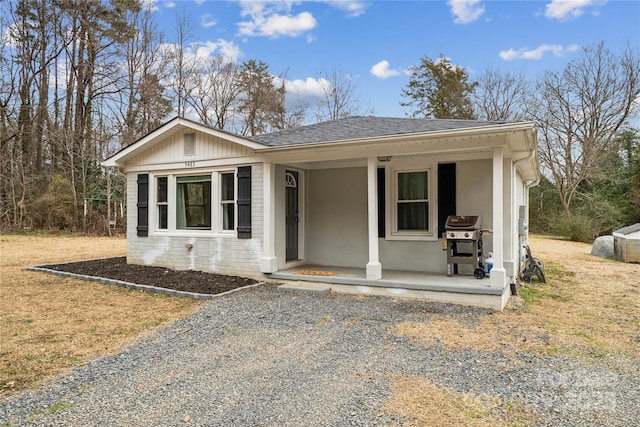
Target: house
point(359, 204)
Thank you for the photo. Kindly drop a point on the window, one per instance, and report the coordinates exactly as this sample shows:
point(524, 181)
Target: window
point(412, 202)
point(162, 204)
point(193, 202)
point(227, 200)
point(216, 201)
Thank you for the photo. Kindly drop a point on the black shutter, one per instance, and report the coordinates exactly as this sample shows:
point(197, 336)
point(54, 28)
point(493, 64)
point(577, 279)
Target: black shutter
point(143, 205)
point(446, 194)
point(244, 202)
point(381, 204)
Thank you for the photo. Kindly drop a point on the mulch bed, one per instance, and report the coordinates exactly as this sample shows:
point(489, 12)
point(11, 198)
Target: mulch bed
point(178, 280)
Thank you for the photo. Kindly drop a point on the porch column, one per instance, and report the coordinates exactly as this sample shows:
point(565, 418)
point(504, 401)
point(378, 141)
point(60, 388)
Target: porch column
point(269, 262)
point(498, 273)
point(374, 268)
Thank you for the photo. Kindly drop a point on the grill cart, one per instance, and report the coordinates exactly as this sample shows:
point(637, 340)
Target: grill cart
point(464, 244)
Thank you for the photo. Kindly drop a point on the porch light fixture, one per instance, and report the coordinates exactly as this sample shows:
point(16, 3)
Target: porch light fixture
point(384, 158)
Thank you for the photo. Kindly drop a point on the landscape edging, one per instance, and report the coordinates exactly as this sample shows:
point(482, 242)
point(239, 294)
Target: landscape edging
point(135, 286)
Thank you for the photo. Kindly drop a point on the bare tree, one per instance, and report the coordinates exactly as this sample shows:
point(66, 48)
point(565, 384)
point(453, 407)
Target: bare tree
point(181, 63)
point(293, 116)
point(579, 110)
point(25, 67)
point(143, 95)
point(216, 90)
point(501, 96)
point(96, 31)
point(339, 96)
point(60, 85)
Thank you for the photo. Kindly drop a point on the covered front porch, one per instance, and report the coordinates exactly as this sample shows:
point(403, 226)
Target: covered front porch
point(343, 213)
point(458, 289)
point(368, 214)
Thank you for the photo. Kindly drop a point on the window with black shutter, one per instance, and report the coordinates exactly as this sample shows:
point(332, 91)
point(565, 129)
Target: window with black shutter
point(143, 205)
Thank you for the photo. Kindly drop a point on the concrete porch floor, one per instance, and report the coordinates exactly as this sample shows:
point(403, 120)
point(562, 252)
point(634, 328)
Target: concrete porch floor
point(458, 289)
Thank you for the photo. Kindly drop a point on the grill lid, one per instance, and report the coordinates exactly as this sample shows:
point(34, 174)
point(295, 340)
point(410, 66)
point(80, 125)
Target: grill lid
point(457, 222)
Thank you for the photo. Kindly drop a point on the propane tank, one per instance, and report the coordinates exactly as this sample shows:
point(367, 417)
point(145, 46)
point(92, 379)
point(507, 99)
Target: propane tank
point(488, 262)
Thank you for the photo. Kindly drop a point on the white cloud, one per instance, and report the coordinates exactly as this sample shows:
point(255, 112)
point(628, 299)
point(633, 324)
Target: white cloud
point(564, 10)
point(200, 51)
point(353, 8)
point(287, 25)
point(537, 53)
point(304, 92)
point(209, 49)
point(273, 20)
point(310, 87)
point(229, 50)
point(170, 5)
point(207, 20)
point(466, 11)
point(382, 71)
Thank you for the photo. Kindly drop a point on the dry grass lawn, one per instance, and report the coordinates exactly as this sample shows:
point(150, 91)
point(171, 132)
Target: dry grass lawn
point(48, 323)
point(588, 309)
point(428, 404)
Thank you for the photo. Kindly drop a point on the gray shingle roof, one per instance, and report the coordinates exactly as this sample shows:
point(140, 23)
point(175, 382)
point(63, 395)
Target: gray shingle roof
point(362, 127)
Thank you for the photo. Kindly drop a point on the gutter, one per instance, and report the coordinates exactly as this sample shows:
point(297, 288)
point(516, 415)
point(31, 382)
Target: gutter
point(532, 152)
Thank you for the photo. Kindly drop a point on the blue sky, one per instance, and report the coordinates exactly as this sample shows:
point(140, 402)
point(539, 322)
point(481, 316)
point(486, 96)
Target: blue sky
point(375, 42)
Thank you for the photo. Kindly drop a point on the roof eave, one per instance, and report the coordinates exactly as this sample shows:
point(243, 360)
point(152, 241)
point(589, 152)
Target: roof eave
point(449, 133)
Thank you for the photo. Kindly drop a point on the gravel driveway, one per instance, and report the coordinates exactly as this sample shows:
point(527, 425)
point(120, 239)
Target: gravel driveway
point(267, 357)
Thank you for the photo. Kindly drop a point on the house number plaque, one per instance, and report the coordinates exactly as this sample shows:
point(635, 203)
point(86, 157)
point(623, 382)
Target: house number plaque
point(189, 164)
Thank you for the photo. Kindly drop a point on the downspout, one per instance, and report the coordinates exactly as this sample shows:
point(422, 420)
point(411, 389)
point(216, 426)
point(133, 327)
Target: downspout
point(527, 185)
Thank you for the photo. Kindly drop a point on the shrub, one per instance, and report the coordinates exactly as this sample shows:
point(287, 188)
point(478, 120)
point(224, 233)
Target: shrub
point(54, 208)
point(576, 228)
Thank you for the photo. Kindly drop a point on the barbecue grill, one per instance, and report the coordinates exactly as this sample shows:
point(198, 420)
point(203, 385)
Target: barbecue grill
point(464, 244)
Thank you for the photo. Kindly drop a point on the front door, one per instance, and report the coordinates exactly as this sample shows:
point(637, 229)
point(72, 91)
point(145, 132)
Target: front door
point(292, 219)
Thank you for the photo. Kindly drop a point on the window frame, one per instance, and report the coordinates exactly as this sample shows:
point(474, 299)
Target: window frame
point(161, 203)
point(392, 192)
point(204, 205)
point(222, 202)
point(216, 202)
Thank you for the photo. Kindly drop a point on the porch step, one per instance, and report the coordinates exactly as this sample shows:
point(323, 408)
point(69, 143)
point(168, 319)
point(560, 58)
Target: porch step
point(316, 288)
point(436, 283)
point(464, 290)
